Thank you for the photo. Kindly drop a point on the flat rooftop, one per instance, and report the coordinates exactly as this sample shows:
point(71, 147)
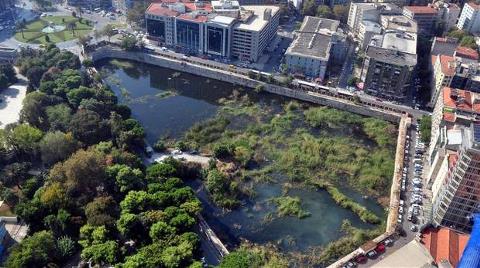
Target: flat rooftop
point(314, 38)
point(399, 22)
point(391, 56)
point(402, 41)
point(256, 22)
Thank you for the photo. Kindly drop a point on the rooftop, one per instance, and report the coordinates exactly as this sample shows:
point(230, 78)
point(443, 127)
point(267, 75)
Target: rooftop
point(445, 46)
point(402, 41)
point(399, 22)
point(421, 10)
point(459, 99)
point(412, 254)
point(448, 65)
point(466, 52)
point(258, 21)
point(314, 38)
point(474, 5)
point(391, 56)
point(371, 26)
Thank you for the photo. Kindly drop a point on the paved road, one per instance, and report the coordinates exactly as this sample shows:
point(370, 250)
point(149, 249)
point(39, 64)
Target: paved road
point(347, 69)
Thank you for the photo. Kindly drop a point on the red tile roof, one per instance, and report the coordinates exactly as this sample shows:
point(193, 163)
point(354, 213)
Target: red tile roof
point(421, 9)
point(474, 5)
point(450, 117)
point(158, 10)
point(466, 52)
point(465, 100)
point(445, 244)
point(448, 65)
point(190, 17)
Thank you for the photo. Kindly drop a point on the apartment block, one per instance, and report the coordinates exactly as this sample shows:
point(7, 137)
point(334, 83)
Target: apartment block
point(389, 62)
point(456, 190)
point(469, 20)
point(448, 14)
point(454, 107)
point(368, 11)
point(425, 16)
point(217, 28)
point(317, 44)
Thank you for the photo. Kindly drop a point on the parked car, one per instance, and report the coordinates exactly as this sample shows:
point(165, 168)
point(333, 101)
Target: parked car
point(413, 228)
point(388, 242)
point(372, 254)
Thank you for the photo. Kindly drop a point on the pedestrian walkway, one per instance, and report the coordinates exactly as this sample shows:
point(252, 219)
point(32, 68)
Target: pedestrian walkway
point(11, 102)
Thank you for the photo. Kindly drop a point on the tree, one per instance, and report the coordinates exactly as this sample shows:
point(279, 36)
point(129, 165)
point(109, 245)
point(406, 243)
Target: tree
point(309, 8)
point(102, 254)
point(129, 179)
point(23, 139)
point(37, 250)
point(20, 26)
point(7, 71)
point(129, 42)
point(74, 14)
point(109, 31)
point(59, 116)
point(57, 146)
point(34, 75)
point(469, 41)
point(324, 12)
point(241, 258)
point(82, 174)
point(14, 174)
point(47, 38)
point(101, 211)
point(162, 232)
point(158, 171)
point(33, 110)
point(87, 127)
point(426, 128)
point(341, 13)
point(66, 247)
point(136, 15)
point(72, 26)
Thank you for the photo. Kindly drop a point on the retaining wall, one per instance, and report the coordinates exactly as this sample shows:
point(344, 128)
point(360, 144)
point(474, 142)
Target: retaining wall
point(226, 76)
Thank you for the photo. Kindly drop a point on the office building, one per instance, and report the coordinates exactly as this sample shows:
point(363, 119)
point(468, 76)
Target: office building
point(469, 20)
point(368, 11)
point(425, 16)
point(317, 44)
point(219, 28)
point(456, 190)
point(389, 61)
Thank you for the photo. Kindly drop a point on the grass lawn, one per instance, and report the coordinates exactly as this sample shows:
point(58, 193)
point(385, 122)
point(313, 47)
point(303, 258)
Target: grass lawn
point(33, 31)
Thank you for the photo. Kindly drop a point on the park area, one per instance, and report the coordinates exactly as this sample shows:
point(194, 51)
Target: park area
point(53, 29)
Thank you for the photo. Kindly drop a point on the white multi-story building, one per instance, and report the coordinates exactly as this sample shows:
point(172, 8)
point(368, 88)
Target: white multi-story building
point(448, 14)
point(367, 30)
point(218, 28)
point(456, 189)
point(469, 20)
point(368, 11)
point(316, 44)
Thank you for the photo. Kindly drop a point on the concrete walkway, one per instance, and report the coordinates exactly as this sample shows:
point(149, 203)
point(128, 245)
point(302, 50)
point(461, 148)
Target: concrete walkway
point(159, 157)
point(11, 102)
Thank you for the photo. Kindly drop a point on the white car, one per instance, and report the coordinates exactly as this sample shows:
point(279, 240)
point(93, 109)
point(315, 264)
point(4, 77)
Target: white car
point(176, 152)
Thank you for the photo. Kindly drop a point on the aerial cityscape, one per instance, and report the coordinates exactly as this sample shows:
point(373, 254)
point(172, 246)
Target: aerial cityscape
point(239, 133)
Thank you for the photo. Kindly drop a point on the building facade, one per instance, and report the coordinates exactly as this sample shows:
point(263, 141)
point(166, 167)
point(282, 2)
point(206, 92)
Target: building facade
point(458, 194)
point(316, 45)
point(219, 28)
point(91, 4)
point(469, 20)
point(425, 16)
point(368, 11)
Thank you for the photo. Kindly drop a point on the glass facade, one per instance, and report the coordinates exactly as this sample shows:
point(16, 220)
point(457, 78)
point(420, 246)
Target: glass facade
point(188, 36)
point(215, 39)
point(156, 28)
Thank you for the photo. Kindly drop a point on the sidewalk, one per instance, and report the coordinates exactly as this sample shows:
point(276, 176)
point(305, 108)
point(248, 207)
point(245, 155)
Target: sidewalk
point(11, 102)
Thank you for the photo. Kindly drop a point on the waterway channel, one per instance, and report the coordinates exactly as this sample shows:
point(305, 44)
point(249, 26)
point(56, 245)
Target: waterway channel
point(169, 103)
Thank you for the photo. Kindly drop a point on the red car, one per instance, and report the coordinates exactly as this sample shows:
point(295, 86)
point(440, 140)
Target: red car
point(380, 248)
point(361, 259)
